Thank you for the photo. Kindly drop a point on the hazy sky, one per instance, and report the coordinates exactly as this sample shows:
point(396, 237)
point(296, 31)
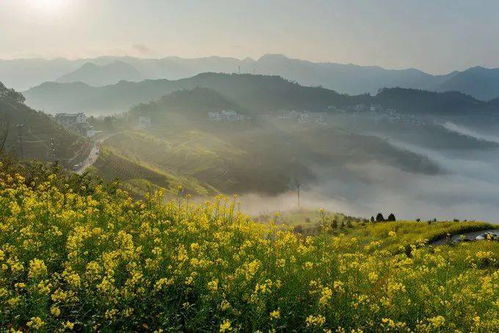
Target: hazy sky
point(434, 35)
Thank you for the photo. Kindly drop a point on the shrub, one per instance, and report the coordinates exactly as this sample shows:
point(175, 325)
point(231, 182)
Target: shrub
point(380, 218)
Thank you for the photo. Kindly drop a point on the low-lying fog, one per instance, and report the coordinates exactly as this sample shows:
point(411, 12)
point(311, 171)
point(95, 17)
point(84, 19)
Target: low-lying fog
point(467, 189)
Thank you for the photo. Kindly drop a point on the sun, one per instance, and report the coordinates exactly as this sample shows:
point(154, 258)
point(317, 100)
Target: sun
point(48, 5)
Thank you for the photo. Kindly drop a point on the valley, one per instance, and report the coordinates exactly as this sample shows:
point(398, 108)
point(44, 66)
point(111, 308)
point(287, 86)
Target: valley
point(262, 135)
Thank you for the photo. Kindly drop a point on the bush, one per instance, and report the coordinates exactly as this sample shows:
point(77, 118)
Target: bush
point(380, 218)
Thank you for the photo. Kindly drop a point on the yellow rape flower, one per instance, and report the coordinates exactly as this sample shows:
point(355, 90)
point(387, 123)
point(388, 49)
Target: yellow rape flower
point(55, 311)
point(276, 314)
point(226, 326)
point(317, 321)
point(437, 321)
point(68, 325)
point(326, 295)
point(213, 285)
point(36, 323)
point(37, 268)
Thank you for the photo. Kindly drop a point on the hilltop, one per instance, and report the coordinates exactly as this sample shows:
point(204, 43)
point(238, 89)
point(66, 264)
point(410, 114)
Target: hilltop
point(480, 82)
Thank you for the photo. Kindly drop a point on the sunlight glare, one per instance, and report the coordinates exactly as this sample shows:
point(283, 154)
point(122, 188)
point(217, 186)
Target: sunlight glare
point(48, 6)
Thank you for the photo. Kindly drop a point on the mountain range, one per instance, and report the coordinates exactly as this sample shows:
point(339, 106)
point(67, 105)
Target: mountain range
point(258, 93)
point(481, 83)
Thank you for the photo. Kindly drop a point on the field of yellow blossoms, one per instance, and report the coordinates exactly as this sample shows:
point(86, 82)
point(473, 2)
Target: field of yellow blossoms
point(102, 261)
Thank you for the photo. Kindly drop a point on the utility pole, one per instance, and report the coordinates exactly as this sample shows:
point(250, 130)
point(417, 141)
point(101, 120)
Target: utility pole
point(298, 194)
point(52, 156)
point(21, 142)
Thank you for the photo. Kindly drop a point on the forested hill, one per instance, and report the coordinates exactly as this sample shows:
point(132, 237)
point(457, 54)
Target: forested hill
point(421, 101)
point(254, 92)
point(30, 133)
point(258, 93)
point(196, 100)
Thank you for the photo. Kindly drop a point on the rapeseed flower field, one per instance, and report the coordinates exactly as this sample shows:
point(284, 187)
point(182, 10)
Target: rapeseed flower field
point(101, 261)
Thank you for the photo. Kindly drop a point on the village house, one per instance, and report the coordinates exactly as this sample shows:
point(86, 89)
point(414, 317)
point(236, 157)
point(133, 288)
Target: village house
point(71, 119)
point(144, 122)
point(76, 122)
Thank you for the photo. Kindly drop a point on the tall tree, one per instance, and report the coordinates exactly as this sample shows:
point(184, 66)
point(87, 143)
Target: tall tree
point(4, 131)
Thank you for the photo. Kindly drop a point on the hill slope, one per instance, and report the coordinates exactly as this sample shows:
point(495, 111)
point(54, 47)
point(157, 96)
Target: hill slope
point(33, 134)
point(248, 153)
point(482, 83)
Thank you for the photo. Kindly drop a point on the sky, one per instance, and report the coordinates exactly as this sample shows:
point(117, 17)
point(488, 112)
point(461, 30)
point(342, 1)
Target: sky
point(437, 36)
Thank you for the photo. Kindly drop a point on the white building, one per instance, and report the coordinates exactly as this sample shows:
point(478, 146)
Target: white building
point(91, 133)
point(71, 119)
point(76, 122)
point(144, 122)
point(226, 115)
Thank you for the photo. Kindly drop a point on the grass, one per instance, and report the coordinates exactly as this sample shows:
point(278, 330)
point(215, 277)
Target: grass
point(140, 178)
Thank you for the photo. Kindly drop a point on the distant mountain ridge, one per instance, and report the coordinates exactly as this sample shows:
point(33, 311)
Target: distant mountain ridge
point(102, 75)
point(257, 93)
point(481, 83)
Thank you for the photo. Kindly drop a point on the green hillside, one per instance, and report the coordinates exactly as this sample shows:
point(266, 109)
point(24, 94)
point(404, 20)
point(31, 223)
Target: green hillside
point(140, 177)
point(35, 135)
point(246, 155)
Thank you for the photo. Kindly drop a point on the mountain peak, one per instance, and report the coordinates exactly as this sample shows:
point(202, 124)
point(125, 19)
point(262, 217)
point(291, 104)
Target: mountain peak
point(103, 75)
point(273, 56)
point(89, 65)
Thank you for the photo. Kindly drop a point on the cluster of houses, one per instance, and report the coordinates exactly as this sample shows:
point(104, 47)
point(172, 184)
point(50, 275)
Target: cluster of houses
point(143, 122)
point(76, 122)
point(379, 113)
point(226, 116)
point(304, 117)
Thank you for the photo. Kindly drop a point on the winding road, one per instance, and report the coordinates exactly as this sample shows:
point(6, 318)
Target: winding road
point(469, 235)
point(94, 153)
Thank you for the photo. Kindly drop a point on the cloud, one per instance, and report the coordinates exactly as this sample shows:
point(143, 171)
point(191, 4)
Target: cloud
point(142, 49)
